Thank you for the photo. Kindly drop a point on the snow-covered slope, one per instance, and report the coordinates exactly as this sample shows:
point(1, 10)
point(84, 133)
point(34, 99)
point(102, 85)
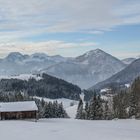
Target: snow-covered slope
point(66, 102)
point(21, 77)
point(70, 129)
point(87, 69)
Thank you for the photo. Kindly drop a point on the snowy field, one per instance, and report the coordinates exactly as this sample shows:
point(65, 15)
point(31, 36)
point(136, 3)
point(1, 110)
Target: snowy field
point(70, 109)
point(70, 129)
point(21, 77)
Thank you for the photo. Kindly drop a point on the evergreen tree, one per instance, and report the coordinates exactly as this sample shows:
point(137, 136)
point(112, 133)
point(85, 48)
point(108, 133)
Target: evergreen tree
point(107, 114)
point(61, 112)
point(95, 111)
point(86, 111)
point(98, 108)
point(47, 109)
point(92, 108)
point(79, 114)
point(135, 99)
point(54, 110)
point(42, 102)
point(133, 105)
point(120, 105)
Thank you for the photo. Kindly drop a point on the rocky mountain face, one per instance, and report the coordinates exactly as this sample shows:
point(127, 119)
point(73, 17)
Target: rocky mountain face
point(126, 76)
point(88, 69)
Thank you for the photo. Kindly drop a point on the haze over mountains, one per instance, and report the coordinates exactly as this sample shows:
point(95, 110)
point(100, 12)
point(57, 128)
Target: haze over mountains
point(128, 60)
point(16, 63)
point(85, 70)
point(126, 76)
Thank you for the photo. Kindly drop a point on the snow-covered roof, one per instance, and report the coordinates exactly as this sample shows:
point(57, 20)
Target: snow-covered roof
point(18, 106)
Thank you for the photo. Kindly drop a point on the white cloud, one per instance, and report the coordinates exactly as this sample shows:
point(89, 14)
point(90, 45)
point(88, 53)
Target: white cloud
point(95, 32)
point(50, 47)
point(22, 19)
point(125, 54)
point(91, 16)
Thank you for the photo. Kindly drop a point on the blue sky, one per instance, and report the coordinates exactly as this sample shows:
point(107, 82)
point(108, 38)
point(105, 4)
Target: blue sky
point(70, 27)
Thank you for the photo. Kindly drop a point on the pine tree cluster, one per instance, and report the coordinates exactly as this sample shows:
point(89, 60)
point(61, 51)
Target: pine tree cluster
point(47, 86)
point(127, 103)
point(96, 109)
point(53, 110)
point(123, 104)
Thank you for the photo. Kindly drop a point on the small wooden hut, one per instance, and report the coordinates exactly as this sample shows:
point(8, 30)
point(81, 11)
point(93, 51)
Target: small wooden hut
point(18, 110)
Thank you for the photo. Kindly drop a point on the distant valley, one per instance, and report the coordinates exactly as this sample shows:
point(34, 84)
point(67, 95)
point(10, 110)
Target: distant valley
point(126, 76)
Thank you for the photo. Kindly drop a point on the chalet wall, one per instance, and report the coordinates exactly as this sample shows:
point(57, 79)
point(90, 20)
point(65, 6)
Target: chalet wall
point(18, 115)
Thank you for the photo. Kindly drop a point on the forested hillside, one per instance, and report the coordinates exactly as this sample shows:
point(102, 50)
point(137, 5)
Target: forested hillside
point(121, 104)
point(47, 86)
point(126, 76)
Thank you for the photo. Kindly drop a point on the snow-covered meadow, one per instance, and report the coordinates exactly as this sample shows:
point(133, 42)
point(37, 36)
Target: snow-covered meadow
point(70, 129)
point(21, 77)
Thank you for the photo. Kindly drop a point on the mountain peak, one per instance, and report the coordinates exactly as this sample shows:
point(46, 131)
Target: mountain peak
point(98, 57)
point(93, 54)
point(40, 56)
point(14, 56)
point(57, 56)
point(96, 51)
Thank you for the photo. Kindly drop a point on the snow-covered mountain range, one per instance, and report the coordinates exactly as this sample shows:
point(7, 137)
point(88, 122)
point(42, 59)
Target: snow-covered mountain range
point(85, 70)
point(16, 63)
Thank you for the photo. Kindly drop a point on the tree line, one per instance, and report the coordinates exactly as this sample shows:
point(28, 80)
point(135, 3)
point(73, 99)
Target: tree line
point(121, 104)
point(47, 86)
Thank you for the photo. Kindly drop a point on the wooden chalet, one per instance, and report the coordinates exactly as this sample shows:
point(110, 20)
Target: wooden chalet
point(18, 110)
